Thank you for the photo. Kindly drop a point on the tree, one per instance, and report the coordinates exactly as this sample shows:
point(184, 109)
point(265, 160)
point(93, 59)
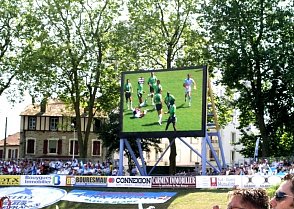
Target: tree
point(163, 33)
point(71, 53)
point(252, 45)
point(14, 29)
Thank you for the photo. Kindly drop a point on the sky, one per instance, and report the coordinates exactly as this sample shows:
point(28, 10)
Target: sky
point(12, 113)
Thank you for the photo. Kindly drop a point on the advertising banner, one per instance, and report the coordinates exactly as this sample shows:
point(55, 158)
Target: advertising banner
point(9, 180)
point(173, 182)
point(31, 197)
point(129, 181)
point(105, 197)
point(87, 181)
point(43, 180)
point(257, 181)
point(241, 181)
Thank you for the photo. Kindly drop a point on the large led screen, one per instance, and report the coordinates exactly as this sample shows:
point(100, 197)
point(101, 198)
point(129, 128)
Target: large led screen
point(163, 103)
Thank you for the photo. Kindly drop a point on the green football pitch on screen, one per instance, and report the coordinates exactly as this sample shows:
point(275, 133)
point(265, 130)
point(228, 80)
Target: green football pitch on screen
point(190, 114)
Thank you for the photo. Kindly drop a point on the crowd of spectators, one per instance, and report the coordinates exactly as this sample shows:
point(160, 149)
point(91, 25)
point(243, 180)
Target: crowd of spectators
point(261, 167)
point(106, 168)
point(250, 167)
point(67, 167)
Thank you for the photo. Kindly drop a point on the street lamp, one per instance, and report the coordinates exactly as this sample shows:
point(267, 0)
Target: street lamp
point(74, 141)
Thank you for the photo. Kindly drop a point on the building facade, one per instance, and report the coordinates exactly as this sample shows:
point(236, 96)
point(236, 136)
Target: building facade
point(11, 147)
point(48, 131)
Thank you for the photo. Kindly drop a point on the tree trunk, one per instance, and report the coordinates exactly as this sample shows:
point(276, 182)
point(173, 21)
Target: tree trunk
point(172, 157)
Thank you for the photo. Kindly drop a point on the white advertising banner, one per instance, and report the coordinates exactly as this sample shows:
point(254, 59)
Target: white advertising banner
point(129, 181)
point(43, 180)
point(241, 181)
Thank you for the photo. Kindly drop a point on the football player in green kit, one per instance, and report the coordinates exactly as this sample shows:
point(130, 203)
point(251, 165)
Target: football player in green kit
point(128, 89)
point(152, 83)
point(158, 105)
point(167, 100)
point(172, 115)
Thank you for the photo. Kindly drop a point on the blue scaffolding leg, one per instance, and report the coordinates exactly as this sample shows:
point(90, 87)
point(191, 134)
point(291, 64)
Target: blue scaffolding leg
point(121, 158)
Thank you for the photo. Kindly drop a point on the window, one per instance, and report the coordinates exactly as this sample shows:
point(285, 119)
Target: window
point(32, 123)
point(30, 149)
point(233, 137)
point(53, 123)
point(211, 157)
point(96, 148)
point(12, 153)
point(191, 155)
point(232, 156)
point(148, 156)
point(52, 146)
point(75, 144)
point(97, 125)
point(157, 155)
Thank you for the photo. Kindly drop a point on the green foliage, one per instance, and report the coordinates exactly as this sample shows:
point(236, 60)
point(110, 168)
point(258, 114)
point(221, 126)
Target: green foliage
point(251, 43)
point(70, 54)
point(14, 24)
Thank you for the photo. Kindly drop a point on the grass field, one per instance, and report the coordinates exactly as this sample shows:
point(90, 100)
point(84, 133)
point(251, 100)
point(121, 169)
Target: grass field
point(185, 199)
point(188, 118)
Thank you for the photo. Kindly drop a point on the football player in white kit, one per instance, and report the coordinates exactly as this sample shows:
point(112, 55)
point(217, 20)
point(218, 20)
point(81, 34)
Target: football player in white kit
point(188, 83)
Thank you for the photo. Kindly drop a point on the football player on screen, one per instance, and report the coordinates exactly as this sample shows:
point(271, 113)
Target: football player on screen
point(188, 83)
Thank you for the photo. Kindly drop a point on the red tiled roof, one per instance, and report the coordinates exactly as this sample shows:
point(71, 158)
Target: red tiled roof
point(53, 108)
point(11, 140)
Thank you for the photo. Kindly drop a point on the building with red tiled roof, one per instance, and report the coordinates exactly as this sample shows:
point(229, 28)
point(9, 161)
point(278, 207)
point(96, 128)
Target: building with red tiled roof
point(12, 146)
point(46, 131)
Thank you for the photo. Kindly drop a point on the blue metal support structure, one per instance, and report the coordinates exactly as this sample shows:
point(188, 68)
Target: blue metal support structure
point(138, 141)
point(134, 157)
point(121, 158)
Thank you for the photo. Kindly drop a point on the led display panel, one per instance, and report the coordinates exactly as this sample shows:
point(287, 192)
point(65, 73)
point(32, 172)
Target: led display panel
point(163, 103)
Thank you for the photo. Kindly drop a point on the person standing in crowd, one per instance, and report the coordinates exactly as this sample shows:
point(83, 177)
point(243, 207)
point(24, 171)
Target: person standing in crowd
point(247, 199)
point(172, 115)
point(128, 89)
point(168, 99)
point(284, 196)
point(158, 105)
point(152, 83)
point(188, 83)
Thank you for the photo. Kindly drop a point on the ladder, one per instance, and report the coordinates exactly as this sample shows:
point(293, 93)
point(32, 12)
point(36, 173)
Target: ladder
point(212, 131)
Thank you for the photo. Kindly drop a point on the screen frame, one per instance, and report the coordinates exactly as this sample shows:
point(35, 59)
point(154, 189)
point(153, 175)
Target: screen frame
point(170, 133)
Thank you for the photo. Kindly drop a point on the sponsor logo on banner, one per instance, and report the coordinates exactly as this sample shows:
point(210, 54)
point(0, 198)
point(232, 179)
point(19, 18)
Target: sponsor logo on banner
point(41, 180)
point(106, 197)
point(98, 181)
point(129, 181)
point(204, 181)
point(213, 181)
point(31, 197)
point(258, 181)
point(226, 181)
point(173, 182)
point(7, 180)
